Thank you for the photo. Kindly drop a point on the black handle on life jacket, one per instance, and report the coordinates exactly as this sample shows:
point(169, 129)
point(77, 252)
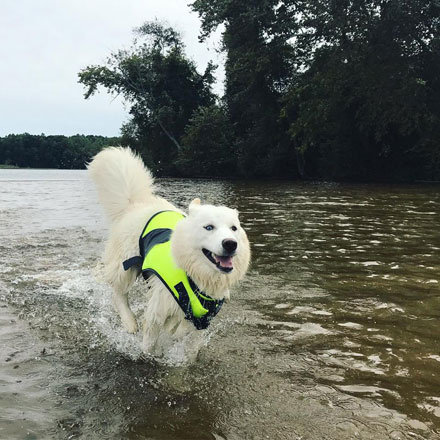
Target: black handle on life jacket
point(133, 261)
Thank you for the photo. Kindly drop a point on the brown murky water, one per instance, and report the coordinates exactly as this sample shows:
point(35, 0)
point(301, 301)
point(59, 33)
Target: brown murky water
point(333, 335)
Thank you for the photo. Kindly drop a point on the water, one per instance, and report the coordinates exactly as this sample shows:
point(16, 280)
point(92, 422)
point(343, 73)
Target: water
point(333, 335)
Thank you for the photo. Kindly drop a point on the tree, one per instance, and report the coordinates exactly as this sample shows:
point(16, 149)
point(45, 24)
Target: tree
point(208, 145)
point(40, 151)
point(162, 87)
point(366, 104)
point(258, 68)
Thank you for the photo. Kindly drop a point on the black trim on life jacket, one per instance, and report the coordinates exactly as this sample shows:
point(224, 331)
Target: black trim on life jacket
point(212, 305)
point(133, 261)
point(156, 236)
point(141, 238)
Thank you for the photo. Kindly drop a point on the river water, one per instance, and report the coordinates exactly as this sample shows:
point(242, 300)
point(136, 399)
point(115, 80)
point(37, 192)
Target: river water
point(334, 334)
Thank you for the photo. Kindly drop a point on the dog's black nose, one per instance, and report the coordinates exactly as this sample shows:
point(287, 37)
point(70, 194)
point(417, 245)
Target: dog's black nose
point(229, 245)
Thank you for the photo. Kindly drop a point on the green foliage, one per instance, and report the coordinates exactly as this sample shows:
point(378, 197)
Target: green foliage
point(342, 90)
point(208, 145)
point(366, 106)
point(162, 87)
point(258, 68)
point(40, 151)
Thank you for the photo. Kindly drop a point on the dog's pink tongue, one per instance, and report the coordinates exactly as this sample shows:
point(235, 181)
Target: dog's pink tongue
point(224, 261)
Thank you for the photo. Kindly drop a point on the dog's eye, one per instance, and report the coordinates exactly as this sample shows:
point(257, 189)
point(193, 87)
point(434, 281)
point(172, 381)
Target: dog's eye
point(209, 227)
point(234, 228)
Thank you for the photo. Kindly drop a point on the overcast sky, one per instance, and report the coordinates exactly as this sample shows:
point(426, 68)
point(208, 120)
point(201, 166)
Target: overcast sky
point(45, 43)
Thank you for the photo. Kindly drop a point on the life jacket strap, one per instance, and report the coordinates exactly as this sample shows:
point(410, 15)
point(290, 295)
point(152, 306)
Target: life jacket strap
point(213, 306)
point(183, 300)
point(133, 261)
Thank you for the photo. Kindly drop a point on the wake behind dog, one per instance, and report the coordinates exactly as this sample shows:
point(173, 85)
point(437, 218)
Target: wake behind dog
point(189, 261)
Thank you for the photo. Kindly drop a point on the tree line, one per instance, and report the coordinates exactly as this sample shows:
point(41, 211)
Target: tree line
point(40, 151)
point(334, 89)
point(314, 89)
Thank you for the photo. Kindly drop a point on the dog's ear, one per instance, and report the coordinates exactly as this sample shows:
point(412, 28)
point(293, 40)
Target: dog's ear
point(194, 204)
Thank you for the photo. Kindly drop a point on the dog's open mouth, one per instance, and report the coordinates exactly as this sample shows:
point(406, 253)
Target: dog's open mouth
point(223, 263)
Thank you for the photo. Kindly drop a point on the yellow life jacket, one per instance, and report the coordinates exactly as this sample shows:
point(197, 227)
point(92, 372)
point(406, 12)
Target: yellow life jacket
point(155, 258)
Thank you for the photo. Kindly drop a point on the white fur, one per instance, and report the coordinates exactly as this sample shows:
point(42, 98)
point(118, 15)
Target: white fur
point(125, 189)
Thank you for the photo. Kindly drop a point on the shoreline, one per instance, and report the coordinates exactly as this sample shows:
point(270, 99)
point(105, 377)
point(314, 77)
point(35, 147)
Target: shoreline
point(260, 180)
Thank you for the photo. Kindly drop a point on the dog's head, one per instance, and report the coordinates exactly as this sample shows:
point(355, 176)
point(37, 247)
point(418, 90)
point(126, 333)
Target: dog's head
point(211, 246)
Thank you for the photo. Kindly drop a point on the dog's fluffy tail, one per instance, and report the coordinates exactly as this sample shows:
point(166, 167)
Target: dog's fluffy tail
point(122, 180)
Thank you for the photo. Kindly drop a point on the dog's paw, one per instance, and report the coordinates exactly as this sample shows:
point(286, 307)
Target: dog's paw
point(130, 325)
point(227, 296)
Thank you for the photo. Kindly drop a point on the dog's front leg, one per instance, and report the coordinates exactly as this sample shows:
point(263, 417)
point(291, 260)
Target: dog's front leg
point(227, 296)
point(151, 335)
point(183, 329)
point(120, 303)
point(121, 281)
point(155, 315)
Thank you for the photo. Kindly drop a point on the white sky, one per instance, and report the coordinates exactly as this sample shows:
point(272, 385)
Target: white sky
point(45, 43)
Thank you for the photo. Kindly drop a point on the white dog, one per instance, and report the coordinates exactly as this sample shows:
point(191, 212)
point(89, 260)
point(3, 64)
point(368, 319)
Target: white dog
point(190, 262)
